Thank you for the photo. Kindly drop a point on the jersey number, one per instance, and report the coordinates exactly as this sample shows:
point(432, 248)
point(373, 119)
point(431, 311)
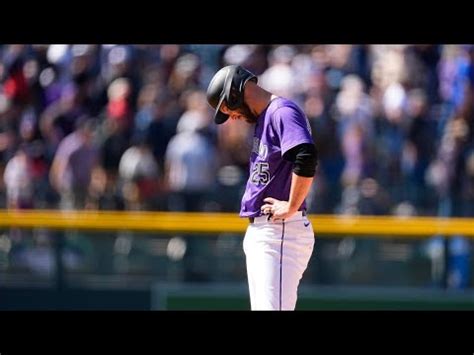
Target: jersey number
point(260, 173)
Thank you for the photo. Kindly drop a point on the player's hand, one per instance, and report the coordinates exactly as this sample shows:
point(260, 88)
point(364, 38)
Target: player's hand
point(278, 210)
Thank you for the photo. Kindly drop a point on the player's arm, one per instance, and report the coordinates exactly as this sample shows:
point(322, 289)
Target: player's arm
point(300, 186)
point(58, 168)
point(304, 158)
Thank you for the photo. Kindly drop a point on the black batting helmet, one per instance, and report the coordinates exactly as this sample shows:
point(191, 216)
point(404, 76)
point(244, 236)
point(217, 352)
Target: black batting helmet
point(228, 84)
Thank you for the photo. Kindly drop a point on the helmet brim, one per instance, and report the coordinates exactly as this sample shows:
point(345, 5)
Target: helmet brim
point(219, 116)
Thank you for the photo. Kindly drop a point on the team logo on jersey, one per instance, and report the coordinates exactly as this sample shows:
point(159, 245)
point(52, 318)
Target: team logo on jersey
point(259, 148)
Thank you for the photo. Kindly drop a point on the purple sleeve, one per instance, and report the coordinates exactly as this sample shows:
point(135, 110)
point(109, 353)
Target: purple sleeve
point(292, 128)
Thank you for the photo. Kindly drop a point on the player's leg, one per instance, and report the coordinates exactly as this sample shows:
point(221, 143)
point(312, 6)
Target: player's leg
point(262, 247)
point(297, 248)
point(262, 251)
point(250, 261)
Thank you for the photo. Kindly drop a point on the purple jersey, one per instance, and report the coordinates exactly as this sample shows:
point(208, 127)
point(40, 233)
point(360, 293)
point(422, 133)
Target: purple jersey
point(280, 127)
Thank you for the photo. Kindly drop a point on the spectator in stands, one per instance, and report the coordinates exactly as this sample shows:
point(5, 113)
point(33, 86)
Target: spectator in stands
point(73, 163)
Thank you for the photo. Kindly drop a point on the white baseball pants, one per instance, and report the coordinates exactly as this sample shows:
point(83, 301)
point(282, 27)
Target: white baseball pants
point(277, 254)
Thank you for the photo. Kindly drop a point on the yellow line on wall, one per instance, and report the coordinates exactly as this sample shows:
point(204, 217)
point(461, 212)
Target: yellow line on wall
point(378, 226)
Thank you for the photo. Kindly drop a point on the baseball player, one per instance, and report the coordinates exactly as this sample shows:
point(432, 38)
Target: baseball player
point(279, 239)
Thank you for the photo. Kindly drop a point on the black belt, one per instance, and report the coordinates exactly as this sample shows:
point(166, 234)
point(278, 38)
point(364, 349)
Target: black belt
point(252, 219)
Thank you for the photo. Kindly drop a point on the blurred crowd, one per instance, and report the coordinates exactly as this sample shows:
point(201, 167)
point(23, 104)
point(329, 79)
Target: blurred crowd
point(127, 127)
